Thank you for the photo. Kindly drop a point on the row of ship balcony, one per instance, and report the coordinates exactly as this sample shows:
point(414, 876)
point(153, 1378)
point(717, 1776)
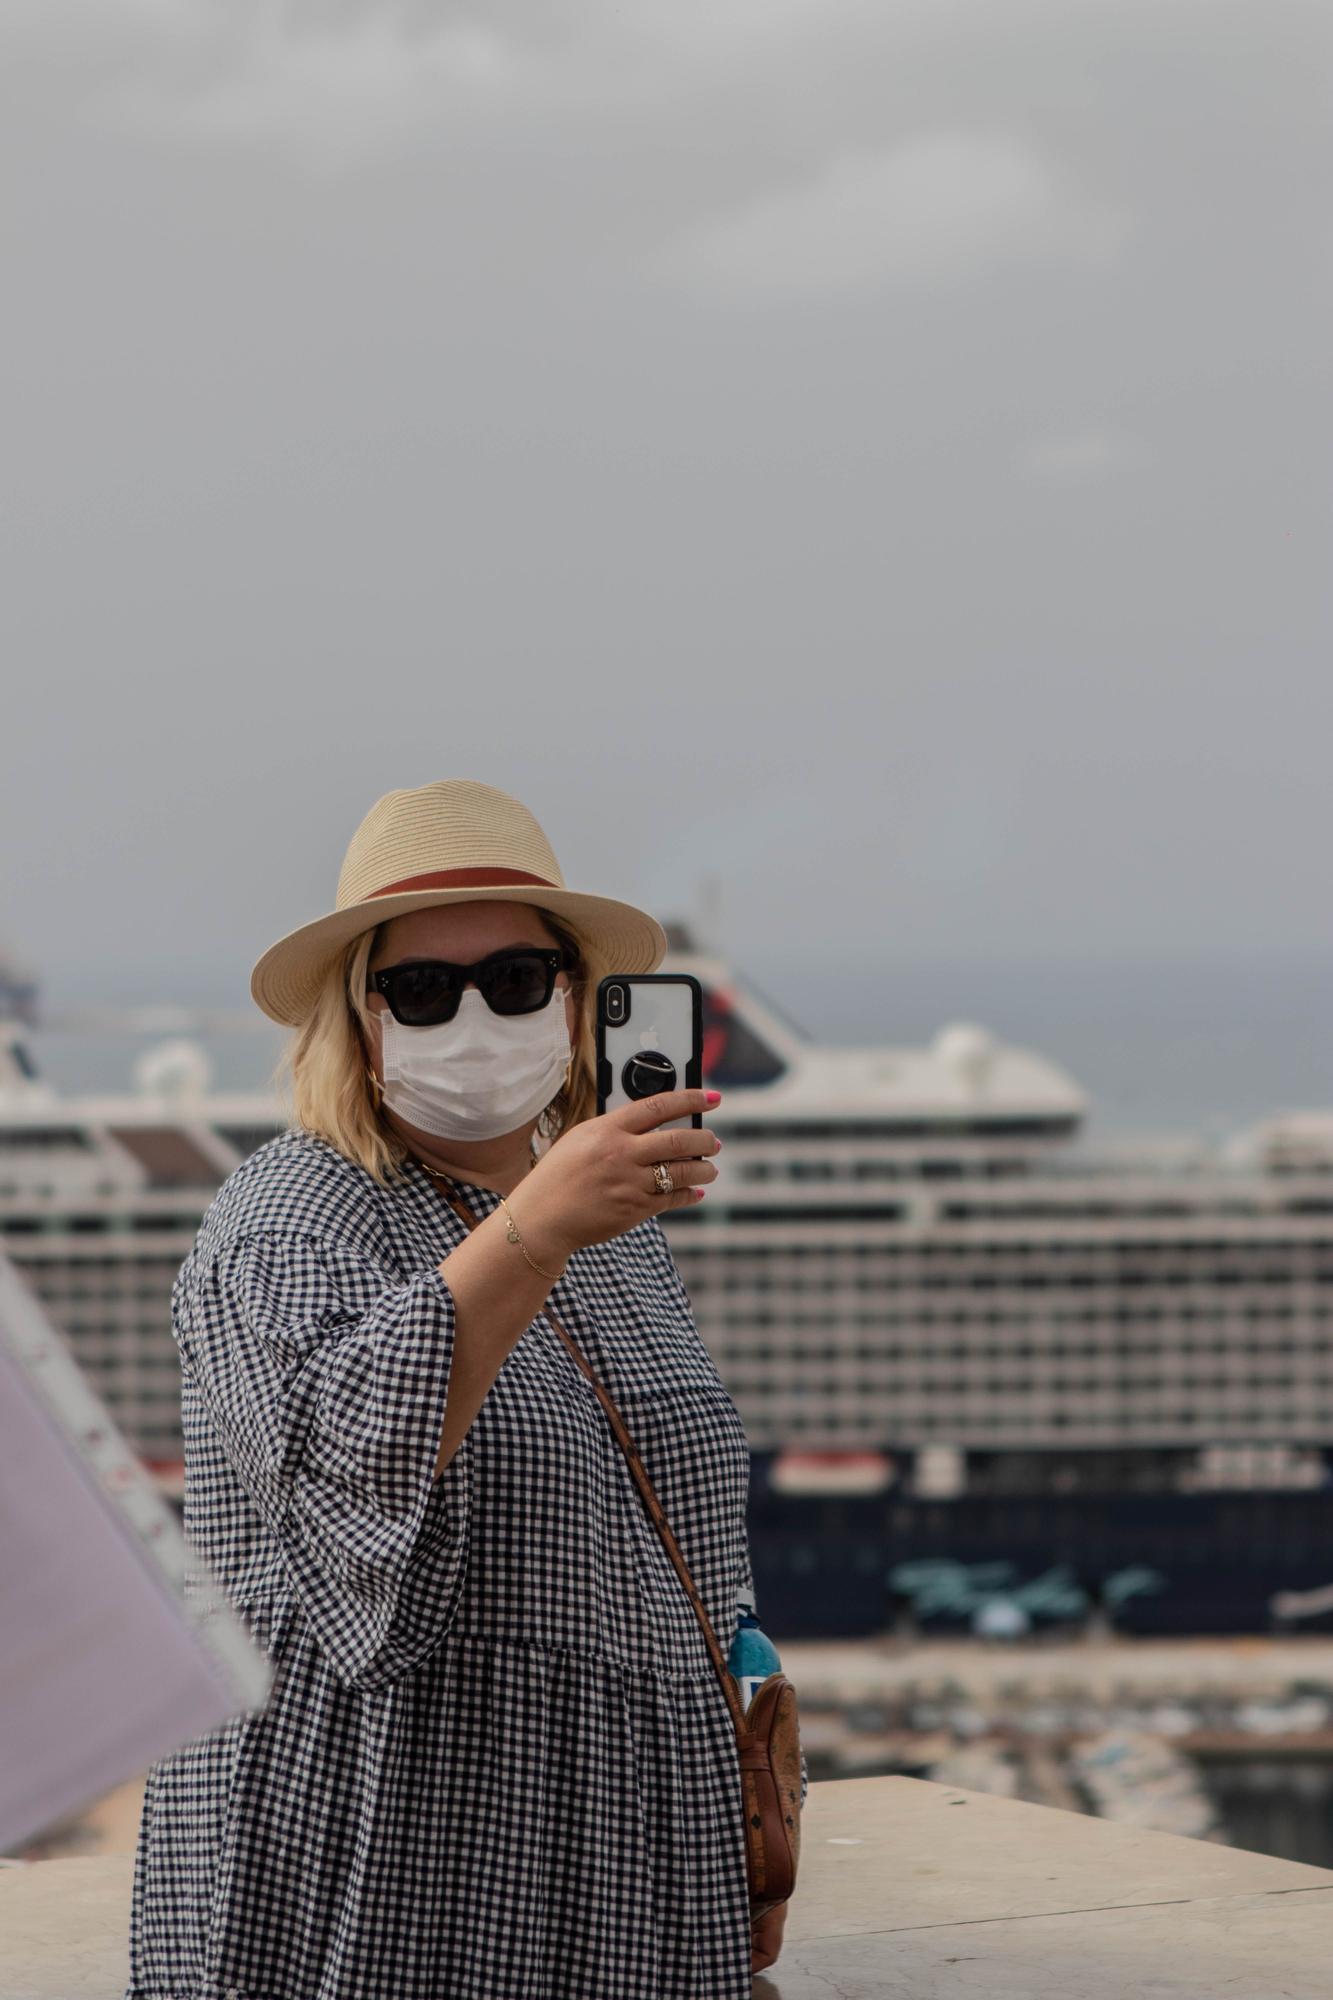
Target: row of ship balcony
point(1011, 1226)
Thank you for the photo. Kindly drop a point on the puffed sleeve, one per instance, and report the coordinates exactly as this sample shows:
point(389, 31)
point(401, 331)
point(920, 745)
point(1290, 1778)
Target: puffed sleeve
point(325, 1381)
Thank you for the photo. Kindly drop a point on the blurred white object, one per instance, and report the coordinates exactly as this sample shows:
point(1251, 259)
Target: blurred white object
point(977, 1767)
point(104, 1664)
point(1142, 1780)
point(177, 1072)
point(1293, 1604)
point(967, 1055)
point(1296, 1717)
point(1001, 1618)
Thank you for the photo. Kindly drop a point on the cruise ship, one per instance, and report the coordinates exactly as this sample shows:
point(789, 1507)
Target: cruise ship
point(993, 1378)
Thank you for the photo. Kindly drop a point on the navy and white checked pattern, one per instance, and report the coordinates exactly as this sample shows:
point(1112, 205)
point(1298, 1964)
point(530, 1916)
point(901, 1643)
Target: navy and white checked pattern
point(495, 1762)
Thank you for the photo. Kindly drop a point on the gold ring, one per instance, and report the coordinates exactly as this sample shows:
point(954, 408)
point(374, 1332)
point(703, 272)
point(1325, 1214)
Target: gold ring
point(662, 1175)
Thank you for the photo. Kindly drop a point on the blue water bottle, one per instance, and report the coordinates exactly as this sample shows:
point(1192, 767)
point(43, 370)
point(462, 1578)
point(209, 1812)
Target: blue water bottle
point(753, 1655)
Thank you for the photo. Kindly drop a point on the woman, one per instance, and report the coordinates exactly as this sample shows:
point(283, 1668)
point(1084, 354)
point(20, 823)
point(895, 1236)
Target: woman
point(495, 1762)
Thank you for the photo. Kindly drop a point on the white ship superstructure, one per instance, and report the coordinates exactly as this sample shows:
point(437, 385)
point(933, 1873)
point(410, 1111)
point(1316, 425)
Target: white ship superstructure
point(100, 1199)
point(906, 1252)
point(909, 1250)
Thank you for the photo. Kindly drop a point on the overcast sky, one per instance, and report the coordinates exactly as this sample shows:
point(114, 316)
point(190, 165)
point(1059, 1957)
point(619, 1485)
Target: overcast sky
point(873, 451)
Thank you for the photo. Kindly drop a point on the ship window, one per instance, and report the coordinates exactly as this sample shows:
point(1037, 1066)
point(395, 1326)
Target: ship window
point(45, 1138)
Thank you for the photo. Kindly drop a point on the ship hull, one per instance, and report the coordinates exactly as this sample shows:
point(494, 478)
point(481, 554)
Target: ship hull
point(853, 1566)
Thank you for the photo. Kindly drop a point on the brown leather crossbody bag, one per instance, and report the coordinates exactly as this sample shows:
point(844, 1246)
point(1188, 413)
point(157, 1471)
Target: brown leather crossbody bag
point(768, 1740)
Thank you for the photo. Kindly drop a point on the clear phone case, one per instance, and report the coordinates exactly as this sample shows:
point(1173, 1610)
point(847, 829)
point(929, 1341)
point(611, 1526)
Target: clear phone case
point(649, 1039)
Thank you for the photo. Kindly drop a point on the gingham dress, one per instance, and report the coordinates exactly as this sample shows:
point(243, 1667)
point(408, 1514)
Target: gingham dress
point(495, 1762)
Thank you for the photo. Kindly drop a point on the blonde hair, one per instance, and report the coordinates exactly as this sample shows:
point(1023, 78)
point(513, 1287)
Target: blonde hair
point(332, 1091)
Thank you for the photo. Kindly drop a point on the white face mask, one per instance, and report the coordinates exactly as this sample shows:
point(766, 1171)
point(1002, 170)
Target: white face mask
point(478, 1075)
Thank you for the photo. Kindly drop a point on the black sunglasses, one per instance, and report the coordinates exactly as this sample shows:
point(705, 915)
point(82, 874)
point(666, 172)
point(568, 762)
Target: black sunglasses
point(425, 991)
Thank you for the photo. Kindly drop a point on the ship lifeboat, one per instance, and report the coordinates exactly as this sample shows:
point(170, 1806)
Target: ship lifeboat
point(831, 1472)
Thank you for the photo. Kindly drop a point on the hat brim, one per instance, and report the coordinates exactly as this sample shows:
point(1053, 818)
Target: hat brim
point(286, 980)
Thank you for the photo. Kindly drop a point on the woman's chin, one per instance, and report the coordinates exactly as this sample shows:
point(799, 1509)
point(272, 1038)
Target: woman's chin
point(478, 1154)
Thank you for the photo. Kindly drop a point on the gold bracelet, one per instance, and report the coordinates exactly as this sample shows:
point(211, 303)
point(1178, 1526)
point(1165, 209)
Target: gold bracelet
point(514, 1237)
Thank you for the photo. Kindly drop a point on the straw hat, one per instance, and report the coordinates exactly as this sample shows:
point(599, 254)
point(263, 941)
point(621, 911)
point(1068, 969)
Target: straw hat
point(451, 842)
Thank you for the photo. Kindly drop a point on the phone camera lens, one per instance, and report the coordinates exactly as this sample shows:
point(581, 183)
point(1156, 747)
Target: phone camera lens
point(648, 1072)
point(615, 1003)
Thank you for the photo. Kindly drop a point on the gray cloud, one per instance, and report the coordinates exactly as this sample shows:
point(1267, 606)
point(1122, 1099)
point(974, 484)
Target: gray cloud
point(1068, 458)
point(941, 209)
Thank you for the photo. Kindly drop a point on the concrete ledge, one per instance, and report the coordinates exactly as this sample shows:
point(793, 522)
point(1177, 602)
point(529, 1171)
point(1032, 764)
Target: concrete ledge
point(1264, 1947)
point(64, 1927)
point(908, 1890)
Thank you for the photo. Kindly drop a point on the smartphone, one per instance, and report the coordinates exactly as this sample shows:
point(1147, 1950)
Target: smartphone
point(649, 1038)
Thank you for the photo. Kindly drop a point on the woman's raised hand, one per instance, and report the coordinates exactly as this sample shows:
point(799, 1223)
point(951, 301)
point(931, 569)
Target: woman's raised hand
point(596, 1180)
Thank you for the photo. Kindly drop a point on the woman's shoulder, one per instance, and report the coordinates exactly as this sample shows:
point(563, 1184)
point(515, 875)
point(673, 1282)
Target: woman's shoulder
point(296, 1185)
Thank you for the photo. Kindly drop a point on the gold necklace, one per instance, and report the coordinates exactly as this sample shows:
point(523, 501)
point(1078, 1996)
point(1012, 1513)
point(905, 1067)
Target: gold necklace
point(438, 1174)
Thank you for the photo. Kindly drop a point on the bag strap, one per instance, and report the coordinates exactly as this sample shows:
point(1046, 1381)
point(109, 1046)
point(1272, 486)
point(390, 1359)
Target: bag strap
point(650, 1499)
